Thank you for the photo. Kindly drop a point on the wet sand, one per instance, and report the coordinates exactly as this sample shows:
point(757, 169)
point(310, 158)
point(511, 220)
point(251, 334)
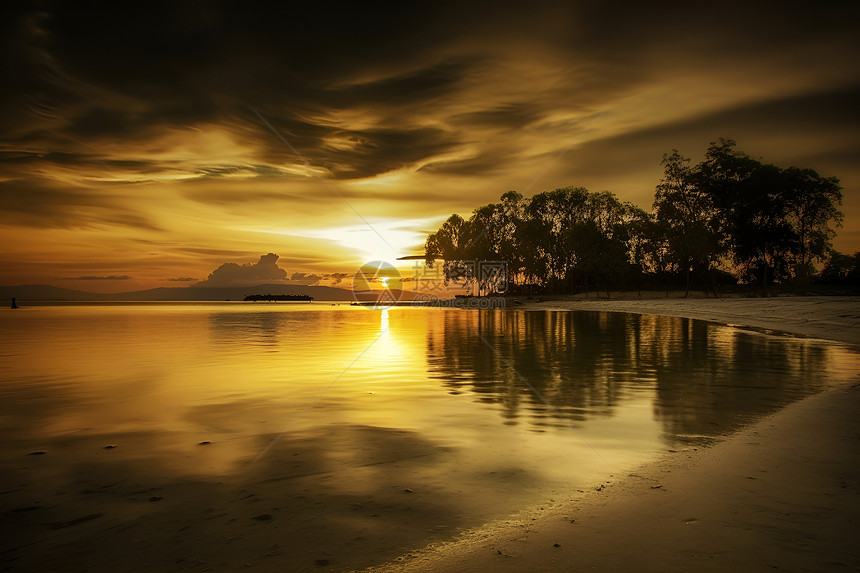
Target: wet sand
point(781, 494)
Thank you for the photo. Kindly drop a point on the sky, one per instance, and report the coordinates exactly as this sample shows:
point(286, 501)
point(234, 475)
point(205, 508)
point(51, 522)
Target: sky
point(164, 144)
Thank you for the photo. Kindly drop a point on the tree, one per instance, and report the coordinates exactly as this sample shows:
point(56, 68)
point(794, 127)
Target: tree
point(600, 240)
point(770, 224)
point(812, 205)
point(688, 216)
point(841, 269)
point(451, 243)
point(549, 214)
point(638, 236)
point(775, 222)
point(762, 239)
point(509, 220)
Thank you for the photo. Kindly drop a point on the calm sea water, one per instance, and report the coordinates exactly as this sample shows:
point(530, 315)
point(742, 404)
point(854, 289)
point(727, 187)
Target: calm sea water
point(359, 433)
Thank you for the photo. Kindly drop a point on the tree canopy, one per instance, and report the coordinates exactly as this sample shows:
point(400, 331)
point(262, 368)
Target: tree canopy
point(730, 216)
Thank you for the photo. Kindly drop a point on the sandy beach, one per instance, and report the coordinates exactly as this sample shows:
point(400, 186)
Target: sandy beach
point(779, 495)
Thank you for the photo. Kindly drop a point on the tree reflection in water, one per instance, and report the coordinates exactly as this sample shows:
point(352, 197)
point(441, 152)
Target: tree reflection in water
point(705, 378)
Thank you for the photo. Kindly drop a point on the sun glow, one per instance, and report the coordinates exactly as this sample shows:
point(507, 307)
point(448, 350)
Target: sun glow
point(377, 240)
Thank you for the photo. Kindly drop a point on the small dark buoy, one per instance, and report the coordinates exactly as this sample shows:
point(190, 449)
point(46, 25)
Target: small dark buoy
point(556, 545)
point(14, 304)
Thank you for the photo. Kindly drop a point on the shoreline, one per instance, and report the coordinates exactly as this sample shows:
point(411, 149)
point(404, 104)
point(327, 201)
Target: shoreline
point(779, 494)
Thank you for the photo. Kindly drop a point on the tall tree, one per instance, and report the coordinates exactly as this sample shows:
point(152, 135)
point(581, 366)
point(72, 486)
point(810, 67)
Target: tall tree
point(689, 217)
point(762, 239)
point(774, 221)
point(450, 243)
point(812, 205)
point(509, 220)
point(637, 234)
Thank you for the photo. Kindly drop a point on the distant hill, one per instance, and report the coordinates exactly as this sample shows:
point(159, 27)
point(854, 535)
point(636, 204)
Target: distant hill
point(24, 293)
point(46, 292)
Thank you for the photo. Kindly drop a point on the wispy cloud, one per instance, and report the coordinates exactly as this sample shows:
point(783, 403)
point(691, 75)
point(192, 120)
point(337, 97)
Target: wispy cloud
point(100, 278)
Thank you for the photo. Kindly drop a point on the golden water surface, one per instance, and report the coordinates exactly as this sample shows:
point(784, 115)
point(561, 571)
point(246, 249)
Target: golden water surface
point(155, 437)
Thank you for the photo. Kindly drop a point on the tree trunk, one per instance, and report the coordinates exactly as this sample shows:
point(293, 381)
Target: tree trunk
point(713, 284)
point(686, 294)
point(764, 274)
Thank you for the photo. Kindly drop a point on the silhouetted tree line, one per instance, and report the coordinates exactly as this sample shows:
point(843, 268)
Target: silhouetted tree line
point(730, 218)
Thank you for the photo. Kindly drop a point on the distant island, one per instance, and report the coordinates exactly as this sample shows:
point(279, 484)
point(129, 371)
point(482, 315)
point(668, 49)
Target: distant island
point(279, 297)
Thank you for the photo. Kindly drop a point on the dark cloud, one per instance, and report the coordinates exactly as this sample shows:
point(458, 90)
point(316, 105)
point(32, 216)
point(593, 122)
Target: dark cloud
point(131, 71)
point(348, 153)
point(182, 279)
point(178, 42)
point(481, 165)
point(382, 150)
point(639, 41)
point(336, 278)
point(266, 270)
point(241, 195)
point(818, 111)
point(798, 128)
point(509, 116)
point(27, 161)
point(262, 171)
point(420, 85)
point(38, 202)
point(305, 278)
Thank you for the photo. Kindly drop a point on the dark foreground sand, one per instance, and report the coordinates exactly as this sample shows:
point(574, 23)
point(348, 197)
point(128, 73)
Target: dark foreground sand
point(780, 495)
